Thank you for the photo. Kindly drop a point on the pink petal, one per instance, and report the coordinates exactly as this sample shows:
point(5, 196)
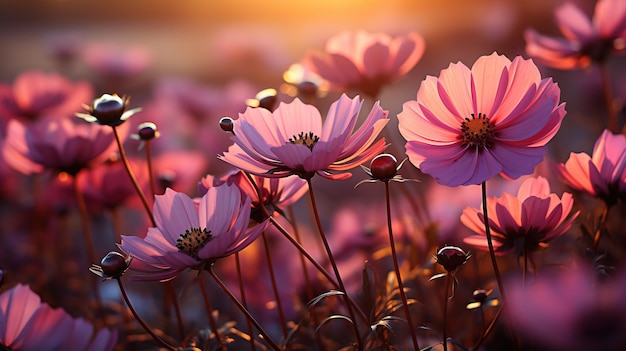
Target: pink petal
point(574, 23)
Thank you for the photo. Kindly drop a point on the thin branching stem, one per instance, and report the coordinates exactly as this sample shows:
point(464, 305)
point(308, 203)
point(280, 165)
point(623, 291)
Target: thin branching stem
point(270, 268)
point(209, 310)
point(612, 123)
point(140, 320)
point(242, 292)
point(396, 267)
point(132, 177)
point(243, 309)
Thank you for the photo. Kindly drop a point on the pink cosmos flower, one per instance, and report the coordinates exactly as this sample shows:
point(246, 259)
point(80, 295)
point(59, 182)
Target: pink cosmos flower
point(366, 61)
point(276, 193)
point(570, 310)
point(28, 324)
point(469, 124)
point(292, 140)
point(524, 223)
point(602, 175)
point(36, 95)
point(585, 40)
point(56, 144)
point(117, 62)
point(190, 236)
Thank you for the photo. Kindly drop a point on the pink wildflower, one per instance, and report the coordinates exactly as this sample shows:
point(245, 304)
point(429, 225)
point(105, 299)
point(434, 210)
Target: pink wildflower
point(524, 223)
point(56, 144)
point(365, 62)
point(190, 236)
point(602, 175)
point(28, 324)
point(469, 124)
point(292, 140)
point(585, 40)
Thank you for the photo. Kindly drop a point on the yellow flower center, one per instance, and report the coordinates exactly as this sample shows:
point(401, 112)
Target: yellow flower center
point(477, 131)
point(307, 139)
point(193, 240)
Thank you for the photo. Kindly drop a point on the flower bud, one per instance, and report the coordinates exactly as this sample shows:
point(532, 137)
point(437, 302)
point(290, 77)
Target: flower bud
point(147, 131)
point(383, 167)
point(110, 110)
point(227, 124)
point(451, 257)
point(113, 265)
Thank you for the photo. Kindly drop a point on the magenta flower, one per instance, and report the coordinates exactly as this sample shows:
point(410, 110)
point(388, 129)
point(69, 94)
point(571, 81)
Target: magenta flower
point(36, 95)
point(292, 140)
point(585, 40)
point(524, 223)
point(56, 144)
point(467, 125)
point(602, 175)
point(570, 310)
point(276, 193)
point(187, 236)
point(28, 324)
point(366, 62)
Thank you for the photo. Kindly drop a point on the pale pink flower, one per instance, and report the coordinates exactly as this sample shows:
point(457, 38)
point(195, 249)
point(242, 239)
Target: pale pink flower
point(56, 144)
point(523, 223)
point(190, 236)
point(469, 125)
point(35, 94)
point(293, 139)
point(602, 175)
point(366, 61)
point(585, 40)
point(276, 193)
point(570, 310)
point(28, 324)
point(113, 61)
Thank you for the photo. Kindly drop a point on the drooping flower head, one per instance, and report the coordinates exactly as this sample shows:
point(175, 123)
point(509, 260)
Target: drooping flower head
point(585, 40)
point(56, 144)
point(190, 236)
point(292, 140)
point(602, 175)
point(366, 61)
point(523, 223)
point(469, 125)
point(276, 193)
point(27, 324)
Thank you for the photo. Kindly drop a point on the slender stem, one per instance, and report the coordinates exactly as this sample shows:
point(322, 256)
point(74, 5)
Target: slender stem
point(245, 311)
point(242, 292)
point(270, 267)
point(149, 164)
point(141, 321)
point(488, 330)
point(329, 252)
point(305, 272)
point(169, 285)
point(601, 226)
point(613, 123)
point(132, 177)
point(209, 310)
point(492, 253)
point(89, 246)
point(396, 267)
point(525, 266)
point(446, 297)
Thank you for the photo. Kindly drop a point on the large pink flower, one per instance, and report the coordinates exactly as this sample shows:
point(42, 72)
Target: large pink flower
point(364, 61)
point(585, 40)
point(27, 324)
point(190, 236)
point(523, 223)
point(602, 175)
point(469, 125)
point(292, 140)
point(56, 144)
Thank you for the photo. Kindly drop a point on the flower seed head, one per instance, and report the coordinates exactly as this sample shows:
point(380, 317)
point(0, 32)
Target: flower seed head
point(451, 257)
